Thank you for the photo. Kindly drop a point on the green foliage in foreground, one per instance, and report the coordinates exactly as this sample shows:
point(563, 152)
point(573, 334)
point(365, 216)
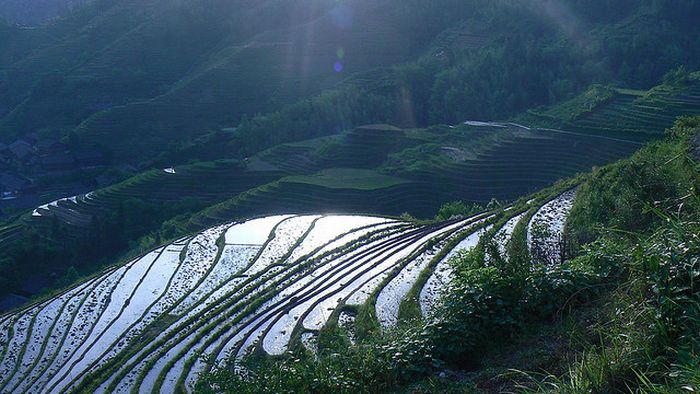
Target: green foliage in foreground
point(622, 196)
point(647, 330)
point(637, 277)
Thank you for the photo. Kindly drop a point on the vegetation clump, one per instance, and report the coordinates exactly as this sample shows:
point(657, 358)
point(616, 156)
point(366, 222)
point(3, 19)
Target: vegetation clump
point(456, 209)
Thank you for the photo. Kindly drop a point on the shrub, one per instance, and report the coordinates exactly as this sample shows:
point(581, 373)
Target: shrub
point(457, 209)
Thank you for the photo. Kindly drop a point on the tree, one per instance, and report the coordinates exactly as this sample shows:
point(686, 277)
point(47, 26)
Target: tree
point(678, 77)
point(69, 277)
point(457, 209)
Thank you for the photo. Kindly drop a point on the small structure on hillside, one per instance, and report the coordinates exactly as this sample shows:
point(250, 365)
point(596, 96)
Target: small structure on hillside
point(23, 152)
point(48, 146)
point(58, 162)
point(14, 185)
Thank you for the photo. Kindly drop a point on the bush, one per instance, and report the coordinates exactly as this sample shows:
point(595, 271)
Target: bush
point(457, 209)
point(623, 196)
point(648, 246)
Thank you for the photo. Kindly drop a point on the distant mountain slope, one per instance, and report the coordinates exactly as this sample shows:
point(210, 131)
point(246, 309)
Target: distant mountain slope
point(168, 70)
point(141, 78)
point(36, 12)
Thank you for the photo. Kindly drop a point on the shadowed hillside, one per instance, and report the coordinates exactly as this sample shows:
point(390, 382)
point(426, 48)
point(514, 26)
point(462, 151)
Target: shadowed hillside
point(376, 169)
point(141, 79)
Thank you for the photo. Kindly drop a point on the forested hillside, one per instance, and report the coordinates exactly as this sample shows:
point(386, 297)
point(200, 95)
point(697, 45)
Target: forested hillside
point(37, 12)
point(123, 75)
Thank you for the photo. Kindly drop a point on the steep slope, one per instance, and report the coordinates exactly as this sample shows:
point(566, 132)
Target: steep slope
point(151, 75)
point(37, 12)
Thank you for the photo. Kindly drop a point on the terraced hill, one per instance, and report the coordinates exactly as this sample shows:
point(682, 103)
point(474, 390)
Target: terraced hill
point(260, 286)
point(206, 182)
point(377, 170)
point(474, 162)
point(623, 113)
point(420, 170)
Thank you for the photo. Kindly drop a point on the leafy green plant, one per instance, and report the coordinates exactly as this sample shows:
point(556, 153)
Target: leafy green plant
point(456, 209)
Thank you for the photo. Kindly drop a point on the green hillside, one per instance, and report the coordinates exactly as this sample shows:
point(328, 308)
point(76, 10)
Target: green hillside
point(349, 196)
point(585, 286)
point(618, 315)
point(377, 169)
point(624, 112)
point(142, 80)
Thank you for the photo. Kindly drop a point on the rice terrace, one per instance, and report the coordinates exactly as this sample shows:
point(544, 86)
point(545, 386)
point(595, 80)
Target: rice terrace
point(349, 196)
point(260, 285)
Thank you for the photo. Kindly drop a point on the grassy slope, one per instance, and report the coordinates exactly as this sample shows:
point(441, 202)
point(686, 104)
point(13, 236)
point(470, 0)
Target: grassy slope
point(347, 178)
point(622, 113)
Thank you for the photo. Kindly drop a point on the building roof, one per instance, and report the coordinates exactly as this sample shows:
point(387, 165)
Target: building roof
point(50, 145)
point(22, 149)
point(10, 181)
point(12, 301)
point(58, 159)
